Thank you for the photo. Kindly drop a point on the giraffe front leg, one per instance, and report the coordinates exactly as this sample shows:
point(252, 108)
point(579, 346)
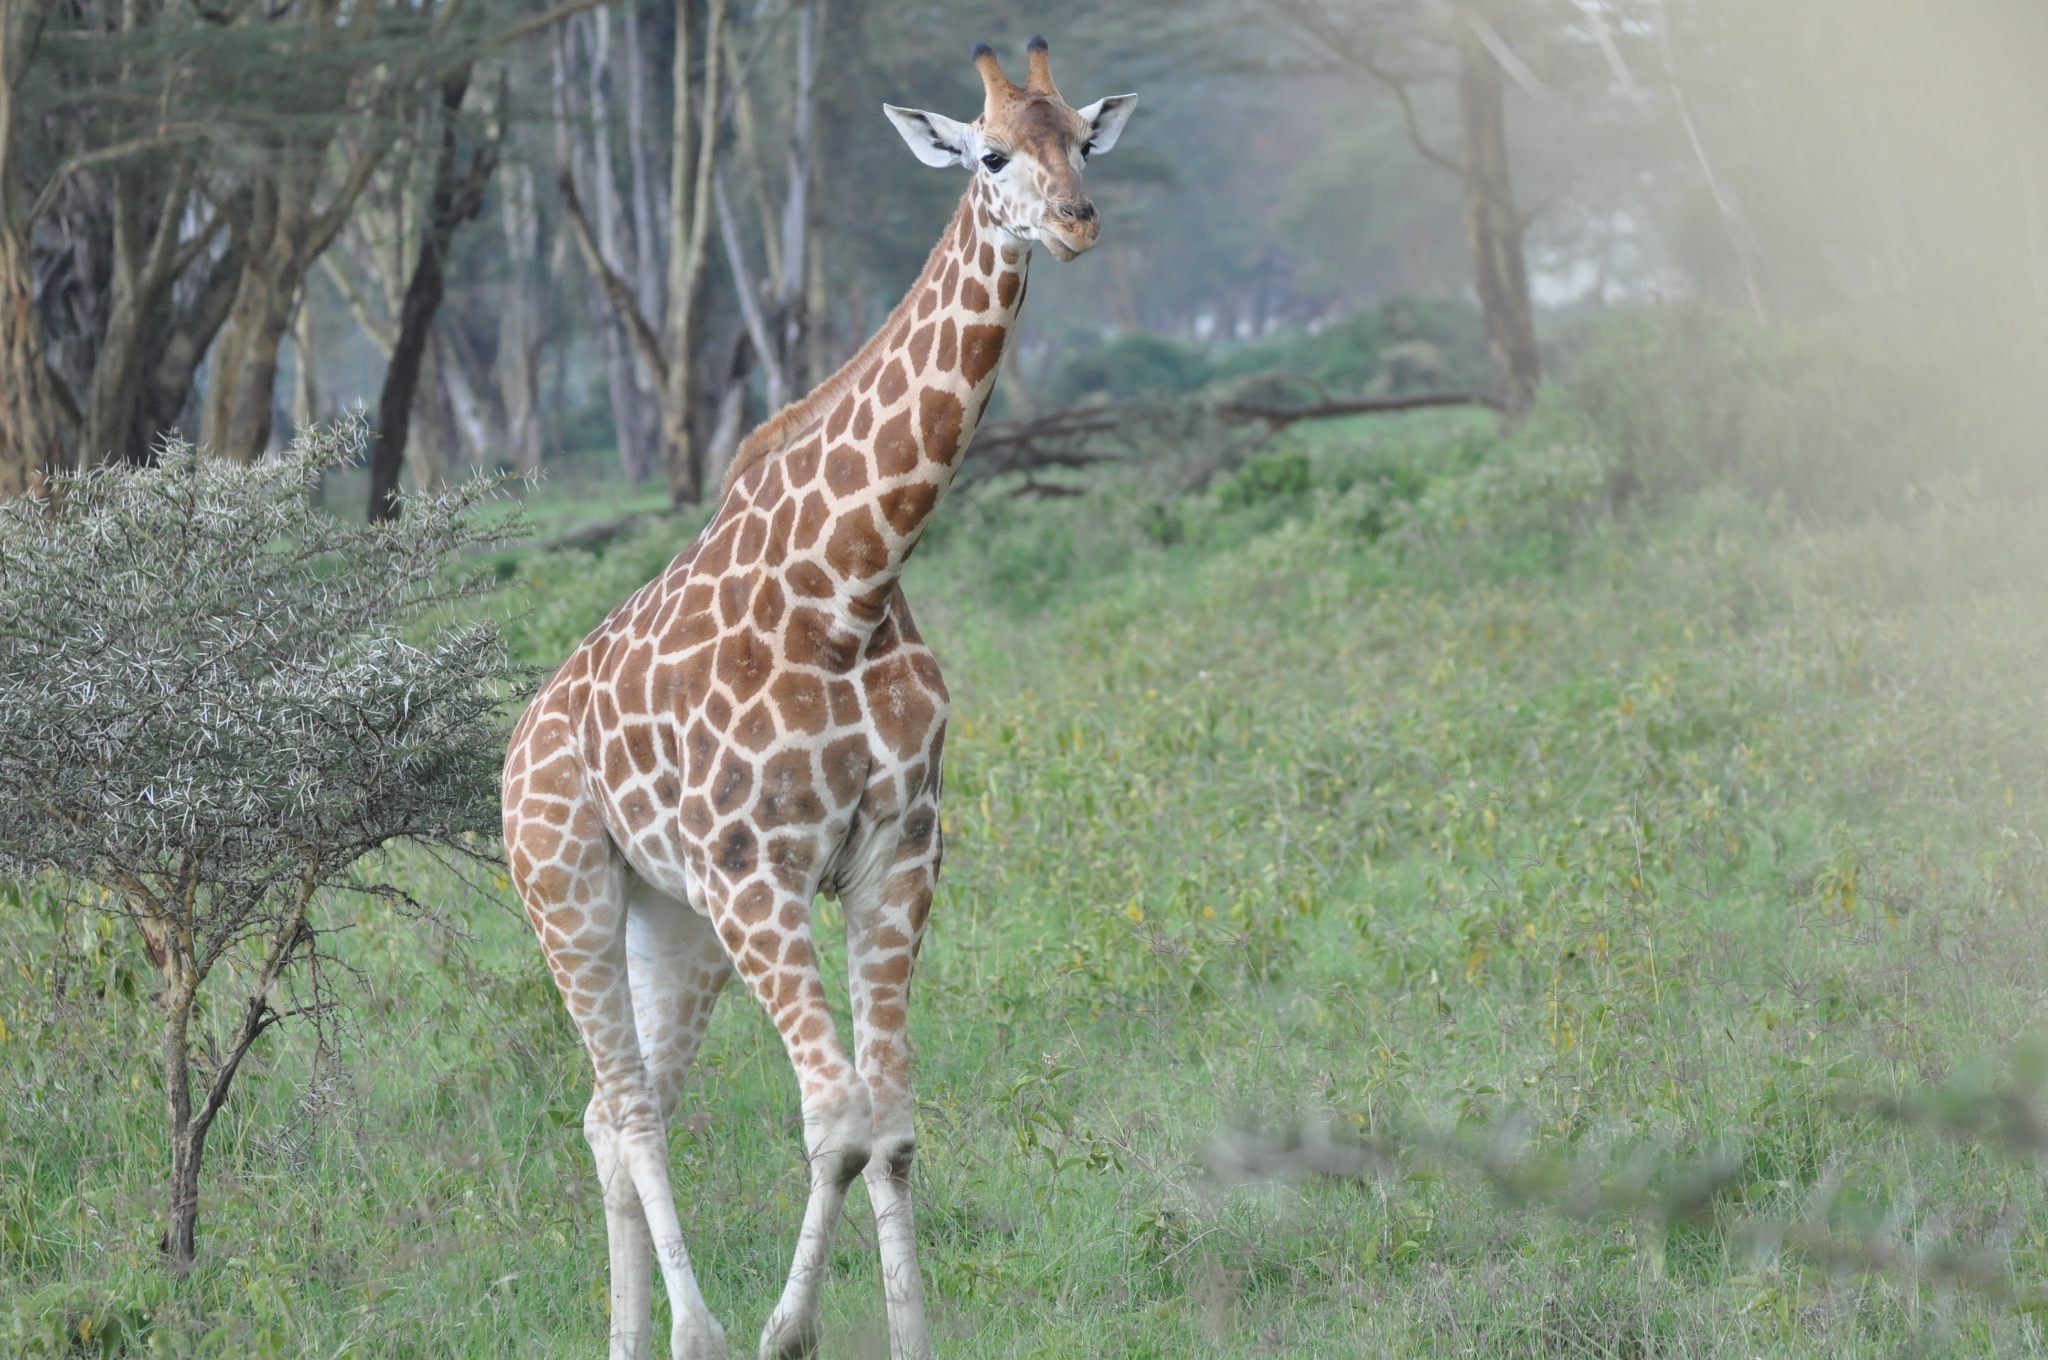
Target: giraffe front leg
point(767, 933)
point(630, 1245)
point(883, 928)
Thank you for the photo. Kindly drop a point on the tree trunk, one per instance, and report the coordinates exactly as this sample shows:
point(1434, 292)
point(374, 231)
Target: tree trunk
point(306, 384)
point(776, 310)
point(1495, 225)
point(243, 369)
point(793, 321)
point(630, 423)
point(730, 424)
point(470, 419)
point(430, 442)
point(401, 382)
point(180, 342)
point(285, 235)
point(457, 196)
point(646, 239)
point(689, 250)
point(188, 1143)
point(519, 320)
point(28, 416)
point(147, 260)
point(670, 355)
point(171, 938)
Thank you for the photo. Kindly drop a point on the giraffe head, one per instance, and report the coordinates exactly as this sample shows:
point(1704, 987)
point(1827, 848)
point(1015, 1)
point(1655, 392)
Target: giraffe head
point(1027, 148)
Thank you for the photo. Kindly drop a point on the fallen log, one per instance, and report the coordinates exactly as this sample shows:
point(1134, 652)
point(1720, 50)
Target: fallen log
point(1080, 437)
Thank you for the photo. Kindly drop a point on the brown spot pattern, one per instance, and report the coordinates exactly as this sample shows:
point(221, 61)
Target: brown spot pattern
point(940, 416)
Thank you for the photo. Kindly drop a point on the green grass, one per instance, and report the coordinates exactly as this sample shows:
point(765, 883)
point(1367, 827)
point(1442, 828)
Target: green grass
point(1395, 784)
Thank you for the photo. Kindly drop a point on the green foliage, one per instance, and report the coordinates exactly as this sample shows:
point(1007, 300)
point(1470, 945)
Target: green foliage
point(1265, 477)
point(1439, 799)
point(70, 1322)
point(1136, 364)
point(1401, 346)
point(1833, 420)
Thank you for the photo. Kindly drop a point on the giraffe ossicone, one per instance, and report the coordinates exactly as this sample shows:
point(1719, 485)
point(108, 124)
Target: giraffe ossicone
point(762, 722)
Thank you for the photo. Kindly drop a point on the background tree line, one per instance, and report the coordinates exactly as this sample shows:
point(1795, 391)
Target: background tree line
point(522, 233)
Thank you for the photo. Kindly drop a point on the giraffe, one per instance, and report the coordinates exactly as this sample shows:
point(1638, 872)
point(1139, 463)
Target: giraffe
point(762, 723)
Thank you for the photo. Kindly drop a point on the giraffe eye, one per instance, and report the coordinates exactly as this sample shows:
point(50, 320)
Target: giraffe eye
point(995, 161)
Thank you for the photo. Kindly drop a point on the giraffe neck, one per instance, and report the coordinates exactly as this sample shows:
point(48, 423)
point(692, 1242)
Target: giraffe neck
point(848, 477)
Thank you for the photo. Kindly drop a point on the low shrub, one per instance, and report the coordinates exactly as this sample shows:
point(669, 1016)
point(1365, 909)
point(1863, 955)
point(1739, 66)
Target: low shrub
point(1837, 421)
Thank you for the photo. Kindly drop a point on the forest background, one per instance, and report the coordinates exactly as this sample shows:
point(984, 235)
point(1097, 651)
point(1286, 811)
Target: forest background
point(228, 221)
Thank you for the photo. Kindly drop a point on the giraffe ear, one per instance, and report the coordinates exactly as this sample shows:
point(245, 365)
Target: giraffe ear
point(1105, 119)
point(933, 138)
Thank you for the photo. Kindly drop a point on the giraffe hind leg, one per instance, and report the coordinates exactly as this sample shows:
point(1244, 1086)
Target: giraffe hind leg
point(576, 890)
point(885, 918)
point(677, 970)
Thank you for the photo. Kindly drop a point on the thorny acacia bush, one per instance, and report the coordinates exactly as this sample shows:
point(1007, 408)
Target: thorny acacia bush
point(215, 701)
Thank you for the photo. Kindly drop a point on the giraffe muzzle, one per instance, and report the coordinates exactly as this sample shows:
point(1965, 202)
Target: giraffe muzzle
point(1070, 229)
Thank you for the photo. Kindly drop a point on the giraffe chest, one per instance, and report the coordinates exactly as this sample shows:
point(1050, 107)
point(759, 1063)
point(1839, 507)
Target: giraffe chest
point(732, 742)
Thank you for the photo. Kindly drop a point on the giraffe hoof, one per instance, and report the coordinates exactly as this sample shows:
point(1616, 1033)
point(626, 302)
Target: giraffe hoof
point(698, 1339)
point(791, 1339)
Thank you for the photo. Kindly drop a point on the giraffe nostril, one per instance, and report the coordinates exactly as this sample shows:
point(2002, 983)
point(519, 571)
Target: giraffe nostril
point(1084, 211)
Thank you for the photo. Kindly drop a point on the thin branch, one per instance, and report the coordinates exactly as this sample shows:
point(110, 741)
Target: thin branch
point(85, 161)
point(547, 19)
point(745, 287)
point(1741, 235)
point(256, 1008)
point(328, 224)
point(1603, 35)
point(165, 259)
point(201, 242)
point(1080, 437)
point(351, 292)
point(1280, 417)
point(1312, 17)
point(1414, 129)
point(1517, 69)
point(616, 290)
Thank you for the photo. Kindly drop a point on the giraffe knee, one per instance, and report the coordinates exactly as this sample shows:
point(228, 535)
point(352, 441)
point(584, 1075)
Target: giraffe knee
point(893, 1154)
point(613, 1178)
point(842, 1136)
point(598, 1131)
point(839, 1165)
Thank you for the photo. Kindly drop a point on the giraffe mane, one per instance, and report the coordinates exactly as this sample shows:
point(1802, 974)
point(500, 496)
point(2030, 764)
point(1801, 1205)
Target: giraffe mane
point(788, 427)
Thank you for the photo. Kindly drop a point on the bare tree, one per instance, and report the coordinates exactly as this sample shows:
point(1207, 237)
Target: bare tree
point(1399, 44)
point(457, 194)
point(293, 213)
point(28, 414)
point(773, 306)
point(520, 329)
point(589, 126)
point(670, 352)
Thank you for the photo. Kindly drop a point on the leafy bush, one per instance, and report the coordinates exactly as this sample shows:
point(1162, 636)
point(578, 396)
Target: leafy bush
point(1401, 346)
point(1265, 477)
point(1833, 420)
point(215, 701)
point(1137, 364)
